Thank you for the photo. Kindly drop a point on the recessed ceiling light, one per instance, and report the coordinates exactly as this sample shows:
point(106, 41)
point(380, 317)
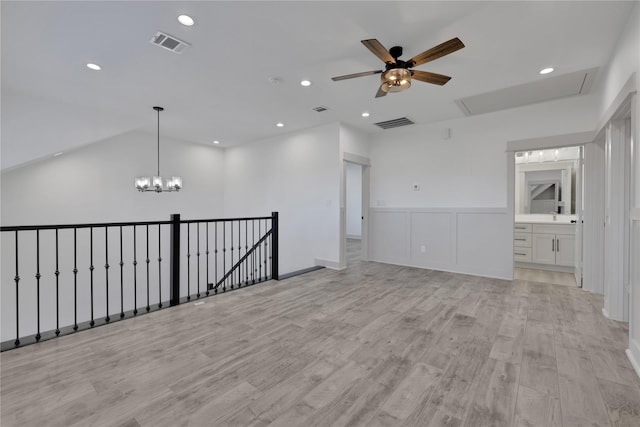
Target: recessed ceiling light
point(57, 154)
point(94, 67)
point(365, 114)
point(305, 83)
point(186, 20)
point(546, 70)
point(216, 142)
point(280, 125)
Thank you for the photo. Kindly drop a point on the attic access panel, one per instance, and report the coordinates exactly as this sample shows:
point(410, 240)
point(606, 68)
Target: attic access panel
point(547, 89)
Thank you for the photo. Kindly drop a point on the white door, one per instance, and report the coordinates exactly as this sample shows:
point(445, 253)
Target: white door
point(544, 248)
point(579, 218)
point(565, 249)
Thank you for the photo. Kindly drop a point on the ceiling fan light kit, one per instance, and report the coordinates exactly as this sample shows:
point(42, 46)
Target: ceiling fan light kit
point(397, 75)
point(395, 80)
point(155, 183)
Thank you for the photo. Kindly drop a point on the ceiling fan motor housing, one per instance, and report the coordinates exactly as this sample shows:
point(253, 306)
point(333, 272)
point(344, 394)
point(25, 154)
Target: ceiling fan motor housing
point(396, 52)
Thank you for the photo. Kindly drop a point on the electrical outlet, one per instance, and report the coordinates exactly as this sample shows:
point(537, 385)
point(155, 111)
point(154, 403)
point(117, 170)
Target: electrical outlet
point(423, 249)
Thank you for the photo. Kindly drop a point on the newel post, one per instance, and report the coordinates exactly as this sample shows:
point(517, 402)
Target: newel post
point(274, 246)
point(175, 260)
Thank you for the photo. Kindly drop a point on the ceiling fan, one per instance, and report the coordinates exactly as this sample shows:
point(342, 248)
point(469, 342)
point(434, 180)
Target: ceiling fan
point(397, 75)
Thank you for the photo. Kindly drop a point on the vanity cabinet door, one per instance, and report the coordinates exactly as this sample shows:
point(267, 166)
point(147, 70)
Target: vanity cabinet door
point(565, 249)
point(544, 248)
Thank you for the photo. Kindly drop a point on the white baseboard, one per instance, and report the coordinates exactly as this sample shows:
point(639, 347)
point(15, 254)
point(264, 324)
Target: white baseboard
point(634, 362)
point(459, 269)
point(334, 265)
point(605, 314)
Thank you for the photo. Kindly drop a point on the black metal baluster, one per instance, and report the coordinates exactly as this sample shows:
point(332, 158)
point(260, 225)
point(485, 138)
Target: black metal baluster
point(215, 258)
point(135, 273)
point(75, 279)
point(121, 278)
point(147, 261)
point(266, 252)
point(91, 268)
point(17, 280)
point(159, 268)
point(106, 269)
point(188, 261)
point(207, 230)
point(224, 254)
point(231, 244)
point(57, 273)
point(246, 251)
point(253, 254)
point(38, 336)
point(239, 255)
point(198, 257)
point(259, 252)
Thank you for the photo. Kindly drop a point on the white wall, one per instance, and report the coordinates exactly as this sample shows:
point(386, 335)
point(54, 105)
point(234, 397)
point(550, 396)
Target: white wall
point(297, 175)
point(625, 61)
point(96, 183)
point(464, 179)
point(354, 200)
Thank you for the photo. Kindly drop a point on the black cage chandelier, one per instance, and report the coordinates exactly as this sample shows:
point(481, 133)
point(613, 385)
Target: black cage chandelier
point(156, 183)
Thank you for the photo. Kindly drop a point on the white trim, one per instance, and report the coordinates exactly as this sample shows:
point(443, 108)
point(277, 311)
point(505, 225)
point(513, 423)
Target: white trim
point(628, 89)
point(632, 358)
point(441, 210)
point(356, 158)
point(458, 269)
point(605, 314)
point(553, 141)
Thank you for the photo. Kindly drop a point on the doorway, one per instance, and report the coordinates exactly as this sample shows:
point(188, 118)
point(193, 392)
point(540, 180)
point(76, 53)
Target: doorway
point(353, 208)
point(548, 215)
point(354, 215)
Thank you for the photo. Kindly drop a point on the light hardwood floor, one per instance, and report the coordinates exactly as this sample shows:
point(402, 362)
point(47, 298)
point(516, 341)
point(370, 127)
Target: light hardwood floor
point(375, 345)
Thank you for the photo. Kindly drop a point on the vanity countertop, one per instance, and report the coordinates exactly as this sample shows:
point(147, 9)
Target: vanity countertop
point(544, 219)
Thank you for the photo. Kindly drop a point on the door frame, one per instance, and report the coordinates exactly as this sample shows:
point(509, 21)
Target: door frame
point(366, 176)
point(543, 143)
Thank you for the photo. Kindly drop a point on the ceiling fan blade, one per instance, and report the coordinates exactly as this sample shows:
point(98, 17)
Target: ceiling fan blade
point(351, 76)
point(427, 77)
point(379, 50)
point(436, 52)
point(380, 92)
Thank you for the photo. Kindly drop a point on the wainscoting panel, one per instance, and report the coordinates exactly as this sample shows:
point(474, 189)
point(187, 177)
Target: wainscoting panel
point(431, 236)
point(475, 241)
point(390, 242)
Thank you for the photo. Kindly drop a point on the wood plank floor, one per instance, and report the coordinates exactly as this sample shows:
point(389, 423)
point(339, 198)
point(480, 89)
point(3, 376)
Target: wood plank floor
point(375, 345)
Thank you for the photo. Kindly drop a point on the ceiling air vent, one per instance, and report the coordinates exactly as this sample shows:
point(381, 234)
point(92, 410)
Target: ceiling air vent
point(402, 121)
point(168, 42)
point(320, 109)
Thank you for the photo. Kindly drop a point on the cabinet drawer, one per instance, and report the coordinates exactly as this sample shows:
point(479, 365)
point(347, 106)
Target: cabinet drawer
point(522, 254)
point(522, 228)
point(554, 229)
point(522, 239)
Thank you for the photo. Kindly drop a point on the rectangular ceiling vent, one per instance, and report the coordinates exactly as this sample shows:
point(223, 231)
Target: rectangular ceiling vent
point(320, 109)
point(168, 42)
point(395, 123)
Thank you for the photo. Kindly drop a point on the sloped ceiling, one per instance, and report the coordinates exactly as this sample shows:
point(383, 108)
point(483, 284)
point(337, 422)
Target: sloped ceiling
point(220, 87)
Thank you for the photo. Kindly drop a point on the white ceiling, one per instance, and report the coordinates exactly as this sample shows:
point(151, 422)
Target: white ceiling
point(219, 88)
